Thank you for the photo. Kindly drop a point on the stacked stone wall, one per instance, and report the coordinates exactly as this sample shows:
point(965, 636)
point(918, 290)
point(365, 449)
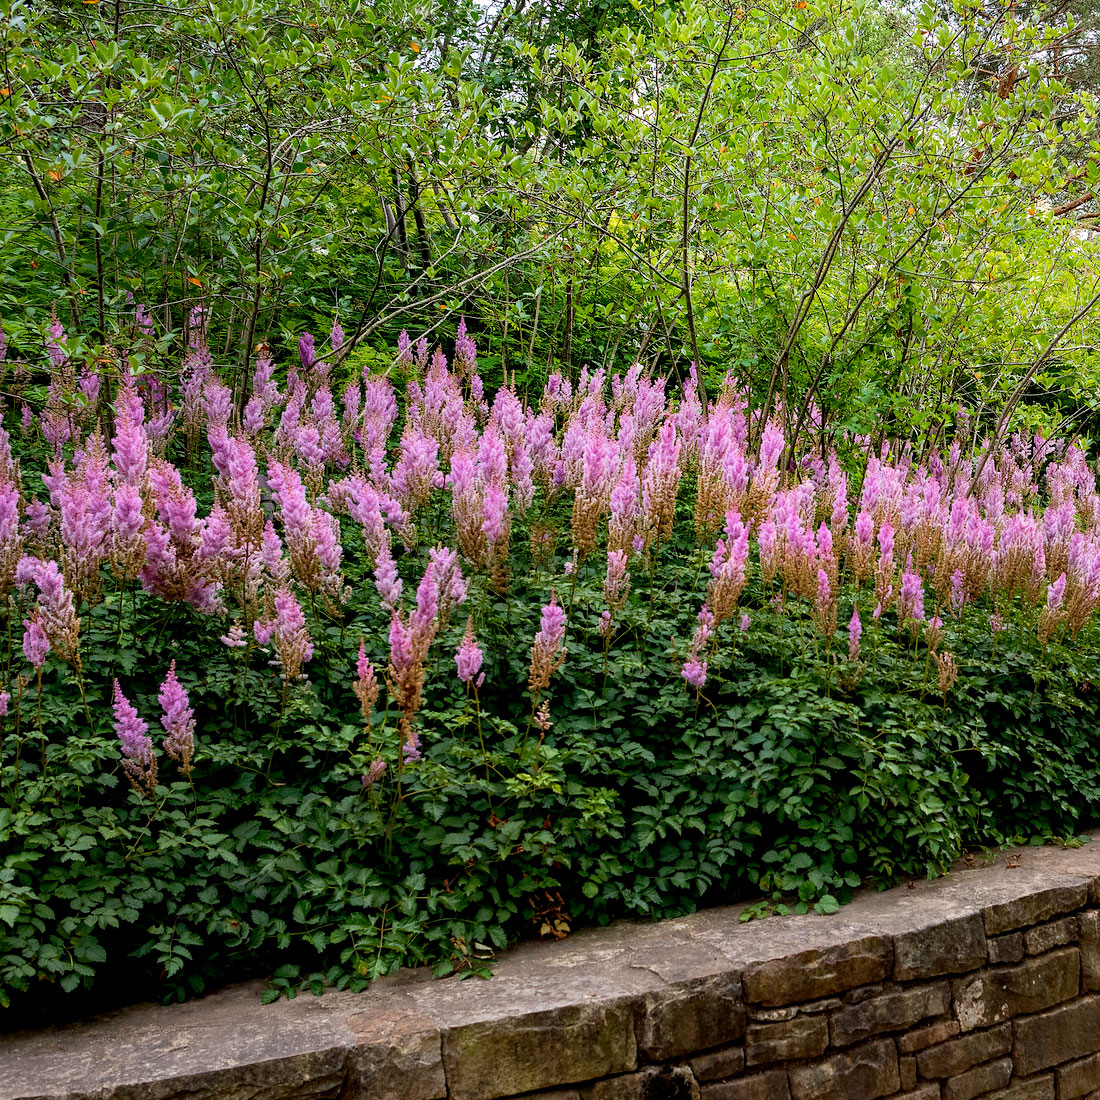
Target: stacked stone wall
point(985, 984)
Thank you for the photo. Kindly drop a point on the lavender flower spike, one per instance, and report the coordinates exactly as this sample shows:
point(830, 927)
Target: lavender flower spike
point(178, 721)
point(137, 746)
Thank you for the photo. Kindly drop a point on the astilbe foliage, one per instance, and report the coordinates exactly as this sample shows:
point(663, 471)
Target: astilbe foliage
point(917, 676)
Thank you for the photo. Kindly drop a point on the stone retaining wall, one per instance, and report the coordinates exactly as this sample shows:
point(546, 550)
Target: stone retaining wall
point(982, 984)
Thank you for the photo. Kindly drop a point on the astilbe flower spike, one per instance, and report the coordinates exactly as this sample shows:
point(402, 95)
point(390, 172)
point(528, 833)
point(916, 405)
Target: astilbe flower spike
point(366, 683)
point(138, 759)
point(547, 653)
point(468, 657)
point(178, 720)
point(855, 631)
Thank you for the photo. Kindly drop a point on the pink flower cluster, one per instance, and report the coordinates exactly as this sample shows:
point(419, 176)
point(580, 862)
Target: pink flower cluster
point(596, 469)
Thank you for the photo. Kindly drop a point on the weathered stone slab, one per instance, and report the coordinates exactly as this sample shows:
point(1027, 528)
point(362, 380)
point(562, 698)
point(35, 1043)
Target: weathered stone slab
point(226, 1047)
point(864, 1073)
point(689, 1017)
point(397, 1055)
point(1034, 906)
point(718, 1064)
point(802, 1037)
point(510, 1055)
point(979, 1080)
point(1048, 936)
point(951, 947)
point(1088, 924)
point(815, 973)
point(1007, 949)
point(923, 1037)
point(1004, 992)
point(1060, 1035)
point(958, 1055)
point(759, 1086)
point(894, 1011)
point(1078, 1078)
point(907, 1072)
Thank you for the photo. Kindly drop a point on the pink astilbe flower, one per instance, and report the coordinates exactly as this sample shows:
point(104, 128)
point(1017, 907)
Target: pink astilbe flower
point(138, 759)
point(694, 669)
point(452, 587)
point(11, 536)
point(622, 526)
point(416, 469)
point(36, 646)
point(465, 360)
point(660, 483)
point(366, 683)
point(695, 672)
point(728, 569)
point(1054, 612)
point(178, 720)
point(386, 580)
point(291, 635)
point(55, 613)
point(235, 637)
point(855, 631)
point(548, 651)
point(5, 702)
point(825, 605)
point(374, 773)
point(311, 534)
point(404, 350)
point(55, 342)
point(468, 657)
point(127, 537)
point(130, 445)
point(616, 583)
point(911, 598)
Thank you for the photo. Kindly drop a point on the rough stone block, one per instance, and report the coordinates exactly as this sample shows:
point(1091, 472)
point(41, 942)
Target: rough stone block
point(907, 1072)
point(541, 1050)
point(1048, 936)
point(1067, 1032)
point(651, 1083)
point(979, 1080)
point(827, 1005)
point(922, 1037)
point(691, 1016)
point(957, 1055)
point(397, 1056)
point(1089, 926)
point(1007, 949)
point(760, 1086)
point(1033, 908)
point(802, 1037)
point(718, 1064)
point(1033, 1088)
point(953, 947)
point(820, 972)
point(1079, 1078)
point(928, 1091)
point(894, 1011)
point(863, 1073)
point(1001, 993)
